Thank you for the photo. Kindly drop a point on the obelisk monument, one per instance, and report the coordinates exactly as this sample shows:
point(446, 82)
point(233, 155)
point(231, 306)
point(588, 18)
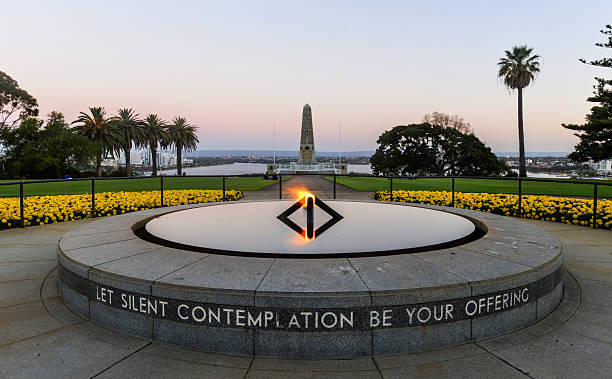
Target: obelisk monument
point(307, 151)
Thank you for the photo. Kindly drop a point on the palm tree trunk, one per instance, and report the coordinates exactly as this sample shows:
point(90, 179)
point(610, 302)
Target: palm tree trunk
point(128, 164)
point(179, 158)
point(99, 165)
point(522, 168)
point(154, 161)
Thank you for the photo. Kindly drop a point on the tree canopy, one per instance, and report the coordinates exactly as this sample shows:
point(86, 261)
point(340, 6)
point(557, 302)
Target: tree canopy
point(596, 133)
point(425, 149)
point(15, 103)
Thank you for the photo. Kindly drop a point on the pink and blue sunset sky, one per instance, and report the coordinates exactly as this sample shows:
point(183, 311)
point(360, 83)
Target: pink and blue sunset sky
point(236, 68)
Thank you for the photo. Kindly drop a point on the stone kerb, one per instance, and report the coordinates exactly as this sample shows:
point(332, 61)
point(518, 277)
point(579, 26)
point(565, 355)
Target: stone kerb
point(334, 307)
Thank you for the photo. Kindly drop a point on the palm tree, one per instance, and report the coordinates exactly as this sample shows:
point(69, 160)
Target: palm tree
point(181, 135)
point(130, 133)
point(518, 69)
point(155, 134)
point(99, 130)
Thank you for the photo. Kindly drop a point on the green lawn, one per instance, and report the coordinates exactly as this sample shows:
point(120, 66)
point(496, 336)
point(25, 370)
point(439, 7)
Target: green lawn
point(131, 185)
point(474, 185)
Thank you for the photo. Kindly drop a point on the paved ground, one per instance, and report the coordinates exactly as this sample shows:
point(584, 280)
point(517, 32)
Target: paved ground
point(40, 337)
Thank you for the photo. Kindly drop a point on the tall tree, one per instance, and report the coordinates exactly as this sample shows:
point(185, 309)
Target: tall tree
point(15, 103)
point(182, 136)
point(596, 134)
point(447, 121)
point(518, 69)
point(99, 129)
point(155, 133)
point(425, 149)
point(129, 133)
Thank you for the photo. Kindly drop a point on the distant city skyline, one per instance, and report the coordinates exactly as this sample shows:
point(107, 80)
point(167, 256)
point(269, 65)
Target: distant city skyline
point(237, 69)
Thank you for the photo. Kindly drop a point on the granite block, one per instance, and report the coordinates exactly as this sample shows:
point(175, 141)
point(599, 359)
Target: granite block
point(80, 241)
point(220, 340)
point(95, 255)
point(312, 283)
point(76, 301)
point(151, 265)
point(502, 322)
point(419, 338)
point(405, 279)
point(549, 302)
point(215, 279)
point(120, 282)
point(313, 344)
point(127, 322)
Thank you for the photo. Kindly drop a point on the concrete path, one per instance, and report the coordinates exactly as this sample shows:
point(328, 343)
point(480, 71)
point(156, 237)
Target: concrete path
point(318, 185)
point(40, 337)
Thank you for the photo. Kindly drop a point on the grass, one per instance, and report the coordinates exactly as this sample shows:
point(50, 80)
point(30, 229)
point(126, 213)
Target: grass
point(475, 185)
point(134, 185)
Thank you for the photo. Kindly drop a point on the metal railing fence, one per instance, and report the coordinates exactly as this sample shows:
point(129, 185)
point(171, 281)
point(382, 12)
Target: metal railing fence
point(390, 178)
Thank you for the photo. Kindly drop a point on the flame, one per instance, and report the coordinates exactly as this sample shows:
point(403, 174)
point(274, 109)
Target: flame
point(304, 197)
point(301, 194)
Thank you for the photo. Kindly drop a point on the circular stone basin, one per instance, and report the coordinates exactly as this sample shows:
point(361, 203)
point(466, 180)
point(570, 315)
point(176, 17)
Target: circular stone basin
point(253, 229)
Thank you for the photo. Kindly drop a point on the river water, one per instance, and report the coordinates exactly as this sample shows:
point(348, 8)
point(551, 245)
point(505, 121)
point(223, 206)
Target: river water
point(248, 168)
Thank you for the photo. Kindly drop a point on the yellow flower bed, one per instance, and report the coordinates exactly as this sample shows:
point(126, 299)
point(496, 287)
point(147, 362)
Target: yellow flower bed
point(539, 207)
point(39, 210)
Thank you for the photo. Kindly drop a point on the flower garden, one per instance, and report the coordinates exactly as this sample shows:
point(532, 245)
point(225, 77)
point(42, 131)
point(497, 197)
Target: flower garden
point(40, 210)
point(549, 208)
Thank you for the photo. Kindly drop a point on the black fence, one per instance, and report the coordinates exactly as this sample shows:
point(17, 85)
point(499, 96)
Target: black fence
point(279, 178)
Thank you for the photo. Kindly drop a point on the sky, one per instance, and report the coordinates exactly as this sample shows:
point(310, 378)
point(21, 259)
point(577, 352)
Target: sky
point(240, 69)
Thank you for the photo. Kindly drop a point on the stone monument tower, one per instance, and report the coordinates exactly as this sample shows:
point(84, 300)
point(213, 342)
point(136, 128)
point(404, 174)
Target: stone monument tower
point(307, 151)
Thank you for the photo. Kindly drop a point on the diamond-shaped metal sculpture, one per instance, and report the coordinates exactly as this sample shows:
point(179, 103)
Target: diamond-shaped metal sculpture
point(310, 232)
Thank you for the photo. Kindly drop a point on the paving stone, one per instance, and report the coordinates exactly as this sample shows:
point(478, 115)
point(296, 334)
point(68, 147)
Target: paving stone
point(418, 338)
point(476, 366)
point(561, 354)
point(25, 270)
point(521, 336)
point(486, 274)
point(68, 352)
point(405, 279)
point(427, 357)
point(20, 291)
point(588, 253)
point(173, 352)
point(561, 314)
point(61, 312)
point(20, 253)
point(24, 321)
point(50, 287)
point(95, 255)
point(596, 292)
point(571, 289)
point(215, 279)
point(313, 344)
point(590, 270)
point(312, 283)
point(151, 265)
point(222, 340)
point(69, 242)
point(127, 322)
point(314, 374)
point(585, 237)
point(30, 236)
point(136, 365)
point(313, 365)
point(591, 320)
point(502, 322)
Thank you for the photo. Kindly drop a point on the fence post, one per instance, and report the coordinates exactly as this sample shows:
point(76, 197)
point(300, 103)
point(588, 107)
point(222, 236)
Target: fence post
point(520, 202)
point(161, 188)
point(223, 187)
point(390, 188)
point(334, 186)
point(595, 205)
point(453, 191)
point(21, 204)
point(280, 186)
point(93, 197)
